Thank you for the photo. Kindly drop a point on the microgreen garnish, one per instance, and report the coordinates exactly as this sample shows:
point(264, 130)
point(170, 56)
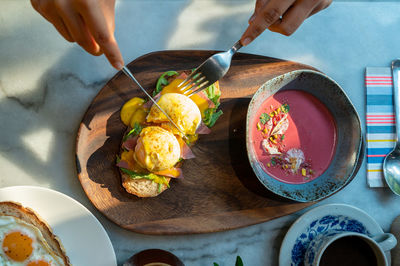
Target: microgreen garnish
point(264, 118)
point(162, 81)
point(285, 108)
point(137, 128)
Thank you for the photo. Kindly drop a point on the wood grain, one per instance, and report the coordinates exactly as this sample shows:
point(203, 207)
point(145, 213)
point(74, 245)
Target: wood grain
point(219, 191)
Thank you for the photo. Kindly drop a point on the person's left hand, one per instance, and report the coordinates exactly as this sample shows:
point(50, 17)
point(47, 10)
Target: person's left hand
point(282, 16)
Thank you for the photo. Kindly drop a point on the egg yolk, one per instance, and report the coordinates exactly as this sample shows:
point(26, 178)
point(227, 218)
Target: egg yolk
point(17, 246)
point(38, 263)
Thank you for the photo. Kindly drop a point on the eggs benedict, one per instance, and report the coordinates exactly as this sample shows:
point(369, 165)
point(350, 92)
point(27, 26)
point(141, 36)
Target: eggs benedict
point(152, 148)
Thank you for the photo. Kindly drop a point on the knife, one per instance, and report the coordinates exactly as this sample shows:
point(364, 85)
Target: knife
point(130, 75)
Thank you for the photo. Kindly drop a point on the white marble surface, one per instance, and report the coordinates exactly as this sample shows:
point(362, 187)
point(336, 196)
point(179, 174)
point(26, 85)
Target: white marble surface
point(46, 84)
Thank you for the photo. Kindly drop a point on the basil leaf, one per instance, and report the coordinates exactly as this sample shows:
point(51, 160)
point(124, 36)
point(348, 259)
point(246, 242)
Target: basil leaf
point(264, 118)
point(162, 81)
point(216, 264)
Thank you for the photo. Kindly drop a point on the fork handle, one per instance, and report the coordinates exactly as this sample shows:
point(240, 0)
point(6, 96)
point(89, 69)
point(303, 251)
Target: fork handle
point(235, 47)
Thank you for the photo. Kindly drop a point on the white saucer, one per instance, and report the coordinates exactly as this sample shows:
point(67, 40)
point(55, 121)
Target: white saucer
point(84, 238)
point(332, 216)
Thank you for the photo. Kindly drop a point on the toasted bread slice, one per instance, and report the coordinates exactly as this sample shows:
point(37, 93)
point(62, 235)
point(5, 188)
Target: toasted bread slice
point(8, 208)
point(142, 187)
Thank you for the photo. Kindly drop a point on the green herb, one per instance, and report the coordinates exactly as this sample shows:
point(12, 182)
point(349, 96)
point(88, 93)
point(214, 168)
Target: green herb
point(213, 94)
point(283, 137)
point(211, 116)
point(239, 261)
point(137, 128)
point(285, 108)
point(162, 81)
point(273, 162)
point(150, 176)
point(118, 159)
point(264, 118)
point(216, 264)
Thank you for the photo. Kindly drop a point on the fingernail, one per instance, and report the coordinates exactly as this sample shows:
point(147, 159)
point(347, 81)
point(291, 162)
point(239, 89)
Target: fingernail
point(118, 65)
point(252, 18)
point(246, 41)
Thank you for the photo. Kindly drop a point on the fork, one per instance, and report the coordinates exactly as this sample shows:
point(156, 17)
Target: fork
point(211, 70)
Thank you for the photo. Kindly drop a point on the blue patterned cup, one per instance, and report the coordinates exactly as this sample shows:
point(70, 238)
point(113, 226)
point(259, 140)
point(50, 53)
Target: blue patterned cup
point(349, 248)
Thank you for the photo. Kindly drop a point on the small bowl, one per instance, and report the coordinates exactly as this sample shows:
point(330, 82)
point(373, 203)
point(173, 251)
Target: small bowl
point(349, 142)
point(154, 257)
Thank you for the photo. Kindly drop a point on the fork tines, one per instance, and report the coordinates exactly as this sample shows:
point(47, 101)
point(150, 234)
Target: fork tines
point(193, 83)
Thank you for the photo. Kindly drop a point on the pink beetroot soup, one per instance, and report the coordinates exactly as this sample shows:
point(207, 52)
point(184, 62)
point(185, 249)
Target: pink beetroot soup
point(311, 129)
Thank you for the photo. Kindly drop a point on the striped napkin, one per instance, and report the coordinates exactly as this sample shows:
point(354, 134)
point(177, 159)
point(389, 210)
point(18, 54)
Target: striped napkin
point(380, 122)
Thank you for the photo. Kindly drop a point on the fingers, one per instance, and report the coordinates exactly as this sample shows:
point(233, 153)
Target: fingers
point(77, 27)
point(100, 22)
point(270, 12)
point(321, 6)
point(294, 17)
point(45, 8)
point(259, 5)
point(282, 16)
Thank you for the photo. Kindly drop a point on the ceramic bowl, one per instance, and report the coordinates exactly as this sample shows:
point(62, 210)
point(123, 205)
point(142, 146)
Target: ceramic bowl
point(349, 141)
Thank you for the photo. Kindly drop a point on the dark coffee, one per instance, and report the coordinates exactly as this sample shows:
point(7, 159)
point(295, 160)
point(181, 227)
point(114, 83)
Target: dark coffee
point(349, 251)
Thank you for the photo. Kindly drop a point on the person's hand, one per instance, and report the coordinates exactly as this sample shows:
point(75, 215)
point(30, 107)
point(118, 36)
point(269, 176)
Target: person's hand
point(90, 23)
point(282, 16)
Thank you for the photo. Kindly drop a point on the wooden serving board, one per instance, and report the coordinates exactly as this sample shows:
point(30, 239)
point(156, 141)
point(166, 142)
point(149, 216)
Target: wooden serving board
point(219, 191)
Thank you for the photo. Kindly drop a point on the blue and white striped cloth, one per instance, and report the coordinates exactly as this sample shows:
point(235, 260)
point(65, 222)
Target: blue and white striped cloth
point(380, 121)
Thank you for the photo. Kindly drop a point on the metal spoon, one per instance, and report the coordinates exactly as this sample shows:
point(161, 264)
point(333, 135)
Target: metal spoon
point(391, 164)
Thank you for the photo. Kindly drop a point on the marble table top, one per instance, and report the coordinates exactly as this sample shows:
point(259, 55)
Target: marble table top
point(46, 84)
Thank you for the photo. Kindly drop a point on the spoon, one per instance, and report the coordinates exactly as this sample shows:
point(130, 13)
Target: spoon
point(391, 164)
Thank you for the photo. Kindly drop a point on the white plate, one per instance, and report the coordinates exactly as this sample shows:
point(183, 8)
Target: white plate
point(331, 216)
point(84, 238)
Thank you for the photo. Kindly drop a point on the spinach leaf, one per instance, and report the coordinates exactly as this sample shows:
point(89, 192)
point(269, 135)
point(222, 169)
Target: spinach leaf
point(211, 116)
point(213, 94)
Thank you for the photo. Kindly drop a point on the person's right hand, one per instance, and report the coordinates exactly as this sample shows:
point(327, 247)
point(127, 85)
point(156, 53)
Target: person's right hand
point(90, 23)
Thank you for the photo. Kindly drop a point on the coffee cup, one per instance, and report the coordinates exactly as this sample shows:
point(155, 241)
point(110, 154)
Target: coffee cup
point(349, 248)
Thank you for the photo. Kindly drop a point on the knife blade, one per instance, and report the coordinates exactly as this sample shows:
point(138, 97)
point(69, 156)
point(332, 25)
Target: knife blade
point(130, 75)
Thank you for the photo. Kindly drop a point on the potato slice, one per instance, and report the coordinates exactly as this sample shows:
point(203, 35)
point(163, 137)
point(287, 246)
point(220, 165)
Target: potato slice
point(129, 109)
point(139, 116)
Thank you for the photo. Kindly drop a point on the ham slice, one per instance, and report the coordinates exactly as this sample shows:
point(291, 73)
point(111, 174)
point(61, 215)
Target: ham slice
point(123, 164)
point(203, 129)
point(130, 143)
point(186, 152)
point(182, 76)
point(203, 95)
point(149, 103)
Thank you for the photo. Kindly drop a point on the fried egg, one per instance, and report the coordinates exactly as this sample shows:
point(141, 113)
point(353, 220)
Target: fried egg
point(182, 110)
point(24, 244)
point(157, 149)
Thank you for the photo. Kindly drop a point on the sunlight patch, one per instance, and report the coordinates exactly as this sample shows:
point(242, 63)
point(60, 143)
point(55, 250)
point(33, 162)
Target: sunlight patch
point(39, 142)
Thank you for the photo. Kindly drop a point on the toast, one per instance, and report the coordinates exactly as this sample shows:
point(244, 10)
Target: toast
point(9, 208)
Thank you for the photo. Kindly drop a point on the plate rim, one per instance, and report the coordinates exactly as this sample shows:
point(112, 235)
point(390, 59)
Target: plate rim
point(302, 222)
point(68, 198)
